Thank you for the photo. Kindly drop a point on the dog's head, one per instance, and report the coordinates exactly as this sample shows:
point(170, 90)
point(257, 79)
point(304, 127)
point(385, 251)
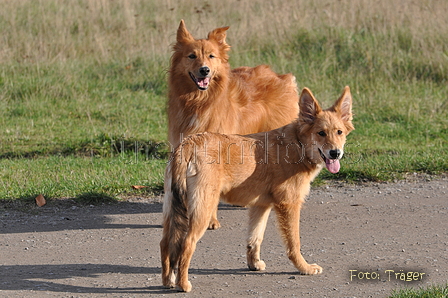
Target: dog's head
point(201, 60)
point(325, 130)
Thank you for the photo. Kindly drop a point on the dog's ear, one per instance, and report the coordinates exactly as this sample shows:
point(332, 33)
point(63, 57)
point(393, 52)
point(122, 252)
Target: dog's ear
point(219, 35)
point(183, 36)
point(309, 107)
point(344, 105)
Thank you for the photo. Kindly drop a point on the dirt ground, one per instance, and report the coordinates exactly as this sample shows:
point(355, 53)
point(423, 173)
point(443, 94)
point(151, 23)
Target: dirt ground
point(376, 231)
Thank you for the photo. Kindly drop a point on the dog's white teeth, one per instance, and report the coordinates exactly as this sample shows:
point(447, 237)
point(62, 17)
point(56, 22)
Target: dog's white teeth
point(203, 83)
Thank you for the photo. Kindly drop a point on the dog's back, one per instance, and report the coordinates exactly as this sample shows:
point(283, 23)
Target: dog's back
point(264, 100)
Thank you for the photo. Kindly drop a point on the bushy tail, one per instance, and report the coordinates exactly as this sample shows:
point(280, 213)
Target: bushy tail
point(176, 213)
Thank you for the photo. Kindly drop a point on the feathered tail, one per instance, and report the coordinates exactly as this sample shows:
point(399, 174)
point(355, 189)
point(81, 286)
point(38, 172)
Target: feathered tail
point(175, 206)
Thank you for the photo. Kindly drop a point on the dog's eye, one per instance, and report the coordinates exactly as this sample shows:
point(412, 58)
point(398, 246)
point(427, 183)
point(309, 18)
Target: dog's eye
point(322, 133)
point(192, 56)
point(339, 132)
point(212, 56)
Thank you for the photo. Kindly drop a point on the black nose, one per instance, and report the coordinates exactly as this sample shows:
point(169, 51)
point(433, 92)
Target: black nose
point(204, 70)
point(335, 153)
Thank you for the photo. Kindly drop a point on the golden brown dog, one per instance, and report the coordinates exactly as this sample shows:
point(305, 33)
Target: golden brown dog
point(205, 95)
point(262, 171)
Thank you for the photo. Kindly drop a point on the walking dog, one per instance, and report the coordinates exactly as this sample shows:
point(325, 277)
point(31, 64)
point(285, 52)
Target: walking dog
point(263, 171)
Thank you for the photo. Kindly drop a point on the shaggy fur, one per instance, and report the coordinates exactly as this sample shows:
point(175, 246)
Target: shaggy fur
point(205, 95)
point(264, 171)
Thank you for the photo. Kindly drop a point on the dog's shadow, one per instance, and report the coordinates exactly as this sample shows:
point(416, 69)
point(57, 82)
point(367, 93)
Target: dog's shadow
point(52, 278)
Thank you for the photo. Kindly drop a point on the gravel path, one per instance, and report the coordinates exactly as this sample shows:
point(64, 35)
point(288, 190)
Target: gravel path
point(381, 230)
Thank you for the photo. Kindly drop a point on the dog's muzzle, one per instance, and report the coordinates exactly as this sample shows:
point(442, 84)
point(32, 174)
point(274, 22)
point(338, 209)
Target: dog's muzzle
point(202, 81)
point(332, 163)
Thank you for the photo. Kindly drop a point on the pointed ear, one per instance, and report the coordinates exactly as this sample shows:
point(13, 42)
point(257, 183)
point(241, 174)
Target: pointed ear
point(309, 107)
point(219, 35)
point(183, 36)
point(344, 105)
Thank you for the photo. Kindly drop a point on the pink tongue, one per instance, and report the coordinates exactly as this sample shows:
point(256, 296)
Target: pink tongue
point(332, 165)
point(203, 83)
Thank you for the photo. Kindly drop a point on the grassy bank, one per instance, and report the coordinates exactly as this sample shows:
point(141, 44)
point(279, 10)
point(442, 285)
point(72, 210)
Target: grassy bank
point(83, 84)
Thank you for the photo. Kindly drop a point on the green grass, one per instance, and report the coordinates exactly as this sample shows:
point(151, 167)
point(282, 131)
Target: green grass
point(58, 107)
point(80, 177)
point(435, 291)
point(83, 85)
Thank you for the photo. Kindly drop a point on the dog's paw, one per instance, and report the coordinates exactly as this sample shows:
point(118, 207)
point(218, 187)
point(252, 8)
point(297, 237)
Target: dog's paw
point(170, 282)
point(311, 269)
point(214, 224)
point(259, 265)
point(184, 288)
point(168, 286)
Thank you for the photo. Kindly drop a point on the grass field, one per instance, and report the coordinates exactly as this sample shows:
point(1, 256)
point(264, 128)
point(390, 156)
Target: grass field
point(83, 84)
point(434, 291)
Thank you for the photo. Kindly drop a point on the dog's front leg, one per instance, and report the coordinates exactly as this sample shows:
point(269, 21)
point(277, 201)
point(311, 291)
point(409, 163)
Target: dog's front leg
point(258, 217)
point(289, 222)
point(214, 222)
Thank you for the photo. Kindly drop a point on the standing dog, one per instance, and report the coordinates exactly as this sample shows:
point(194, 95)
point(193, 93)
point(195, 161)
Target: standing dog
point(262, 171)
point(205, 95)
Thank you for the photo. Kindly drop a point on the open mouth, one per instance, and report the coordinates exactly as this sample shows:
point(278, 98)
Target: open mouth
point(201, 83)
point(332, 165)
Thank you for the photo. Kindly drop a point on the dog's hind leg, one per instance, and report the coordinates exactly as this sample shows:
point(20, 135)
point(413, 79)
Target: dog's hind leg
point(168, 251)
point(289, 222)
point(202, 203)
point(258, 218)
point(168, 265)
